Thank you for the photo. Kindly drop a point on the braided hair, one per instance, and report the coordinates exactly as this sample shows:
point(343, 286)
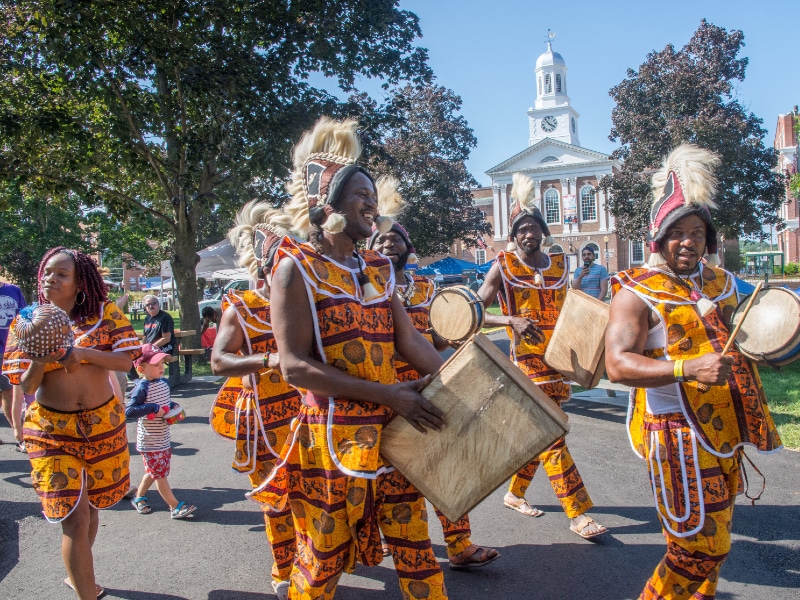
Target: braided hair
point(88, 280)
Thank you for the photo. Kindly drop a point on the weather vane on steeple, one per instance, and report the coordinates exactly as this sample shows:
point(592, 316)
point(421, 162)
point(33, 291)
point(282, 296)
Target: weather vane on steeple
point(550, 36)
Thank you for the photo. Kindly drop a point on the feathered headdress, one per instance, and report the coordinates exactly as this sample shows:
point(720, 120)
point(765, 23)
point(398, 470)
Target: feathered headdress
point(522, 193)
point(390, 204)
point(257, 231)
point(684, 185)
point(324, 159)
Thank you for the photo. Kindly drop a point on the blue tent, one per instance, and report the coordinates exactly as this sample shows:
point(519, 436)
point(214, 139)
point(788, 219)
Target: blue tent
point(484, 268)
point(447, 266)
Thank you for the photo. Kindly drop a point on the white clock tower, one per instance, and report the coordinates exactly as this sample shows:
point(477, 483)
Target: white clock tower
point(552, 116)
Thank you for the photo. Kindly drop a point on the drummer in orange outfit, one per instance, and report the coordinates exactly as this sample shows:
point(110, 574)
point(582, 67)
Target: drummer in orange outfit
point(532, 287)
point(666, 328)
point(338, 322)
point(256, 406)
point(416, 293)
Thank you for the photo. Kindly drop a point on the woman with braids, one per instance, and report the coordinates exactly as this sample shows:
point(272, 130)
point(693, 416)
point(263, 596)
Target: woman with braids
point(75, 430)
point(338, 322)
point(256, 406)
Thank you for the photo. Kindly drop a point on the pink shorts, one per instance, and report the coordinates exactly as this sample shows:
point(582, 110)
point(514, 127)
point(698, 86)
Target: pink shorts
point(156, 464)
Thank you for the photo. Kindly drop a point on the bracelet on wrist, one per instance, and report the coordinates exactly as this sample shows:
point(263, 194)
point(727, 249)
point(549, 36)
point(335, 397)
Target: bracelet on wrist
point(677, 370)
point(265, 360)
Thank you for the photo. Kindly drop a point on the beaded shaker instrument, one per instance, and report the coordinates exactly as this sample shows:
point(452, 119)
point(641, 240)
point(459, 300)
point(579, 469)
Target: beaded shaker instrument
point(42, 329)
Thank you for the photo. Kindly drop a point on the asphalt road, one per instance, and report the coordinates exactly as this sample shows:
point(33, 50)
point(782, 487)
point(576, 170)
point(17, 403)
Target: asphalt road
point(222, 552)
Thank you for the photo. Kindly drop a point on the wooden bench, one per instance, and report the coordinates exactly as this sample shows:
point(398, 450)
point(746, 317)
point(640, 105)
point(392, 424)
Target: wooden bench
point(188, 354)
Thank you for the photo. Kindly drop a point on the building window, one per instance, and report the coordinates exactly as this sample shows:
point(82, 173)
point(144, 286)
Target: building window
point(552, 206)
point(555, 249)
point(540, 85)
point(480, 257)
point(550, 158)
point(588, 204)
point(548, 84)
point(558, 83)
point(637, 253)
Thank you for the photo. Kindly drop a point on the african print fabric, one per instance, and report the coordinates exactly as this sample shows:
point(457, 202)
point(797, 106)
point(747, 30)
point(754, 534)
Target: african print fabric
point(694, 492)
point(72, 452)
point(330, 473)
point(109, 332)
point(258, 418)
point(724, 417)
point(542, 302)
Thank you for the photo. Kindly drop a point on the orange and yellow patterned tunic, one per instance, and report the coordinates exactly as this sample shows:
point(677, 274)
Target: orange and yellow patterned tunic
point(693, 456)
point(725, 417)
point(416, 296)
point(70, 449)
point(521, 296)
point(331, 473)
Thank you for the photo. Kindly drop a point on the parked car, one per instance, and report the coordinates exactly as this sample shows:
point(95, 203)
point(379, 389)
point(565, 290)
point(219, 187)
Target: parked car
point(216, 301)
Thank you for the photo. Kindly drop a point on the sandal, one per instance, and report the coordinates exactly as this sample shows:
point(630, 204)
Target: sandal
point(281, 589)
point(141, 505)
point(100, 590)
point(21, 447)
point(474, 556)
point(588, 528)
point(182, 511)
point(521, 505)
point(385, 549)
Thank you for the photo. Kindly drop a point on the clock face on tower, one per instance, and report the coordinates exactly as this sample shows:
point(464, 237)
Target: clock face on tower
point(549, 124)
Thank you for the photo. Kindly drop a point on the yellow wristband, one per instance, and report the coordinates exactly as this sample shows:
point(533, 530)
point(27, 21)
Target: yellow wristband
point(677, 370)
point(265, 360)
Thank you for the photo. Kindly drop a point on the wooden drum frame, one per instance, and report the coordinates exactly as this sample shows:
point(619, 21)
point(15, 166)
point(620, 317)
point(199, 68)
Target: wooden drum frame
point(456, 313)
point(497, 421)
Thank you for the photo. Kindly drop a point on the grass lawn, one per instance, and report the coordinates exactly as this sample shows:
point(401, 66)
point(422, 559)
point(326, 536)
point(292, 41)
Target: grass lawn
point(783, 393)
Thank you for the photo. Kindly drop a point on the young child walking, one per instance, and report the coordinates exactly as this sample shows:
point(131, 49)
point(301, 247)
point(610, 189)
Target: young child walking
point(149, 402)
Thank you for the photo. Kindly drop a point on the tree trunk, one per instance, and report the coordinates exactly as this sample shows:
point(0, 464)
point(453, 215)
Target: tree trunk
point(184, 261)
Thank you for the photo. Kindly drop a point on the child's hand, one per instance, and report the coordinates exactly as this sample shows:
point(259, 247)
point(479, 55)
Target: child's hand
point(166, 408)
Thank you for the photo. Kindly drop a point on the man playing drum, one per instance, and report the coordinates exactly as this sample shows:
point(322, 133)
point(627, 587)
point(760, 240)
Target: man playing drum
point(337, 323)
point(256, 406)
point(416, 293)
point(667, 326)
point(533, 287)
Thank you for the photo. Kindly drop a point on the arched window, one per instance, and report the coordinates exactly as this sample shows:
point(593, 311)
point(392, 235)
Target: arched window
point(555, 249)
point(539, 79)
point(558, 83)
point(594, 248)
point(548, 84)
point(552, 206)
point(588, 204)
point(565, 84)
point(549, 158)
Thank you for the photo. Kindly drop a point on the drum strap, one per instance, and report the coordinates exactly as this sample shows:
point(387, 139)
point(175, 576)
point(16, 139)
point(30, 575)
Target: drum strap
point(747, 495)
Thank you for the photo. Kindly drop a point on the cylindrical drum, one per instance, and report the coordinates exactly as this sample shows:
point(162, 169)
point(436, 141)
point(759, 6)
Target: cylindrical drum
point(456, 313)
point(175, 415)
point(771, 332)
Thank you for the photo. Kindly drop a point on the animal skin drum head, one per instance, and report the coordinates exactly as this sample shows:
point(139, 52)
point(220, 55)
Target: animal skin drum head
point(456, 313)
point(770, 330)
point(42, 329)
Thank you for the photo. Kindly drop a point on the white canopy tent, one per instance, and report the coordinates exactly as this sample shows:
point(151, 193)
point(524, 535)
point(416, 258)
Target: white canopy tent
point(217, 257)
point(231, 274)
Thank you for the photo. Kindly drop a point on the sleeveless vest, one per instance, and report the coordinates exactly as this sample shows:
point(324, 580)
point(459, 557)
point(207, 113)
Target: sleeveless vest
point(725, 417)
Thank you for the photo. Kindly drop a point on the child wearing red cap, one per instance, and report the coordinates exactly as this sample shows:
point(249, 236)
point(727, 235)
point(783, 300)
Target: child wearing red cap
point(150, 402)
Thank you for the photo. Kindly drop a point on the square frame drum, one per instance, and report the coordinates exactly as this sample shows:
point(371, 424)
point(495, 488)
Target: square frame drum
point(497, 421)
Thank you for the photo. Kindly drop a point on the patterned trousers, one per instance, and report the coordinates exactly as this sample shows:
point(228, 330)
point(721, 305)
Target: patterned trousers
point(456, 533)
point(279, 528)
point(324, 549)
point(698, 535)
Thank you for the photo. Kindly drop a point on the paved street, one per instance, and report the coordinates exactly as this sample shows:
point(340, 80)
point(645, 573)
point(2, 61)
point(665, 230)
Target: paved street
point(222, 553)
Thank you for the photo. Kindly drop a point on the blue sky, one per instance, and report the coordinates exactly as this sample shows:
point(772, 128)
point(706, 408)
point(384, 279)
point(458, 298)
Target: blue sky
point(486, 53)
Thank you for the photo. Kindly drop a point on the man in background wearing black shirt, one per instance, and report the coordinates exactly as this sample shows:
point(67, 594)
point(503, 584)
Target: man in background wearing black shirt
point(159, 328)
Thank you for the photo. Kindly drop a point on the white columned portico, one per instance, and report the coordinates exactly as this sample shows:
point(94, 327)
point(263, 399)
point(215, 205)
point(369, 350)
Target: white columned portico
point(498, 227)
point(601, 209)
point(504, 211)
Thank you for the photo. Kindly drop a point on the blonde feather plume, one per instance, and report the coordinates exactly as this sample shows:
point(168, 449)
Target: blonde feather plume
point(390, 202)
point(522, 191)
point(694, 167)
point(332, 140)
point(241, 234)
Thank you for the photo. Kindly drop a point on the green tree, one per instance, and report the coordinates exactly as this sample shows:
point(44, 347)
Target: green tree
point(687, 95)
point(418, 136)
point(175, 109)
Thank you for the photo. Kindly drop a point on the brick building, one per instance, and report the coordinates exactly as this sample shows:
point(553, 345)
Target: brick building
point(566, 177)
point(787, 147)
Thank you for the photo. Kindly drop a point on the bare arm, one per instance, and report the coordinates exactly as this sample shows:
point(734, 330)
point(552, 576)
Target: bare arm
point(165, 338)
point(225, 359)
point(626, 336)
point(293, 326)
point(522, 326)
point(603, 288)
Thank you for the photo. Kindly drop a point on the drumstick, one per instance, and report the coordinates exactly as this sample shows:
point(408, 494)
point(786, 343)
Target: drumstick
point(702, 386)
